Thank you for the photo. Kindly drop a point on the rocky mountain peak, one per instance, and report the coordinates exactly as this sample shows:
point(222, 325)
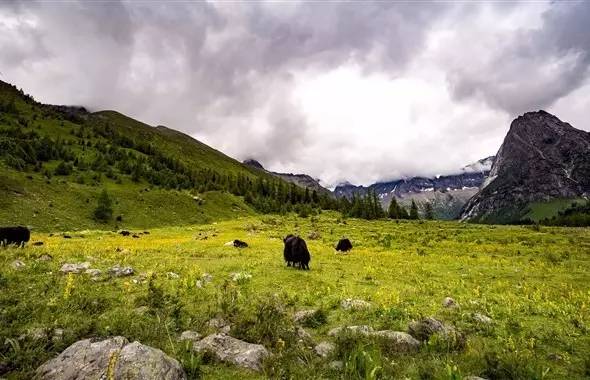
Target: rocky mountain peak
point(253, 163)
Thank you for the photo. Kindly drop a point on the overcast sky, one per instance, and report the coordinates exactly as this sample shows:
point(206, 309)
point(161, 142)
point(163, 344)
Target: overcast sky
point(353, 91)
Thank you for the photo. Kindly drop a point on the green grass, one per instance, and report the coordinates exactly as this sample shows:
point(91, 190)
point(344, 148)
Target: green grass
point(58, 204)
point(546, 210)
point(534, 284)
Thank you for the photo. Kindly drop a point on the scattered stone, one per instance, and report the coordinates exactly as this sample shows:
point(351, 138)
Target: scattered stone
point(58, 335)
point(45, 258)
point(314, 235)
point(190, 335)
point(94, 273)
point(336, 365)
point(140, 279)
point(398, 341)
point(302, 316)
point(481, 318)
point(449, 303)
point(303, 335)
point(352, 304)
point(219, 324)
point(110, 358)
point(425, 328)
point(74, 267)
point(361, 330)
point(172, 275)
point(324, 349)
point(554, 357)
point(206, 277)
point(229, 243)
point(118, 271)
point(232, 350)
point(199, 284)
point(18, 264)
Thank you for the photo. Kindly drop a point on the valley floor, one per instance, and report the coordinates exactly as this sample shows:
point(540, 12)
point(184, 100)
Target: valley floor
point(533, 284)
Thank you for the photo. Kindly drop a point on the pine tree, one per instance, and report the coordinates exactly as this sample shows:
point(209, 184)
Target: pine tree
point(428, 213)
point(414, 211)
point(104, 209)
point(394, 211)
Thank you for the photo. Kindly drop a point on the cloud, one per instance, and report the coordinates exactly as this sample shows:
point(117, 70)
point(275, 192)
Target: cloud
point(359, 91)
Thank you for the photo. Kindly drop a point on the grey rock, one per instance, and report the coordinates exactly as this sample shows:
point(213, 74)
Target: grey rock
point(119, 271)
point(74, 267)
point(481, 318)
point(231, 350)
point(93, 359)
point(303, 316)
point(449, 303)
point(206, 278)
point(324, 349)
point(398, 341)
point(219, 324)
point(303, 335)
point(190, 335)
point(361, 330)
point(45, 258)
point(93, 272)
point(18, 264)
point(425, 328)
point(172, 275)
point(352, 304)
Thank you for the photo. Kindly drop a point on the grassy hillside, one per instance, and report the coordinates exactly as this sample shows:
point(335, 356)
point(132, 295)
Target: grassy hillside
point(533, 284)
point(54, 160)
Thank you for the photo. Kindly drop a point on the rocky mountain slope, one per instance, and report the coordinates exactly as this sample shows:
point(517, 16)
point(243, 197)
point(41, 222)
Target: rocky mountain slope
point(302, 180)
point(447, 194)
point(541, 159)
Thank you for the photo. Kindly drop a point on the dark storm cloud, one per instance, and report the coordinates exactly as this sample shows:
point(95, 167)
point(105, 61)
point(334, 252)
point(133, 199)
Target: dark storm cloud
point(226, 72)
point(530, 69)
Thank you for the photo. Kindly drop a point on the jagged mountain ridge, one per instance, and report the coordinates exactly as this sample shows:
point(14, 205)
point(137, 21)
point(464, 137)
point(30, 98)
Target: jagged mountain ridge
point(542, 158)
point(302, 180)
point(448, 194)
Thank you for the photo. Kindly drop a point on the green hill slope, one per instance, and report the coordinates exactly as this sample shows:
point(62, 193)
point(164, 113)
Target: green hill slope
point(55, 160)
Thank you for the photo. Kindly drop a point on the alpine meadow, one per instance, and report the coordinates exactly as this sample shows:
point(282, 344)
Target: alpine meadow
point(130, 250)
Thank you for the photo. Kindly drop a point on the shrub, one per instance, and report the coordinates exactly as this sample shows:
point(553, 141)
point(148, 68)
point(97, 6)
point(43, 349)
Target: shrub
point(104, 209)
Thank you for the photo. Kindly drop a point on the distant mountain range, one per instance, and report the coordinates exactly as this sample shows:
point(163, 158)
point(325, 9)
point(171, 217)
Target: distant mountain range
point(447, 194)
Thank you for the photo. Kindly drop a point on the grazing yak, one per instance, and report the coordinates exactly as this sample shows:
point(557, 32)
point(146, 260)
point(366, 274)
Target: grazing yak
point(240, 244)
point(296, 253)
point(344, 245)
point(14, 235)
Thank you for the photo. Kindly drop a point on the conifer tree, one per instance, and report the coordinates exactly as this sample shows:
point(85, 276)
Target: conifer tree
point(414, 211)
point(104, 209)
point(428, 213)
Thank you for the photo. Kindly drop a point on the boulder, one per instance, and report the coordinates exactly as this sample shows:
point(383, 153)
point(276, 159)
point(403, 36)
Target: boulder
point(119, 271)
point(352, 304)
point(172, 275)
point(190, 335)
point(219, 324)
point(449, 303)
point(324, 349)
point(425, 328)
point(93, 272)
point(397, 341)
point(18, 264)
point(481, 318)
point(231, 350)
point(361, 330)
point(114, 358)
point(74, 267)
point(302, 316)
point(45, 258)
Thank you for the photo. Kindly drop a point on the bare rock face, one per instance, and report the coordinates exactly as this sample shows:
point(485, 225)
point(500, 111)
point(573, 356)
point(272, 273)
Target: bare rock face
point(542, 158)
point(231, 350)
point(110, 358)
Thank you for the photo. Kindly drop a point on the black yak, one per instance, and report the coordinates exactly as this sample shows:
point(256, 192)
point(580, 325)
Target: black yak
point(125, 233)
point(240, 244)
point(295, 252)
point(14, 235)
point(344, 245)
